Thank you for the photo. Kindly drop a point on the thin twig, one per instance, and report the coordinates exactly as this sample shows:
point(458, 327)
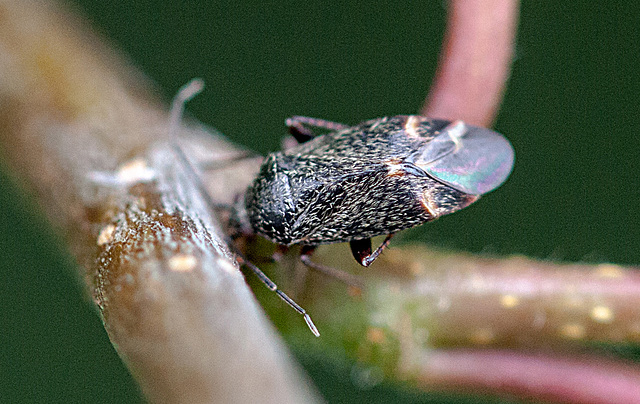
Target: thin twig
point(558, 378)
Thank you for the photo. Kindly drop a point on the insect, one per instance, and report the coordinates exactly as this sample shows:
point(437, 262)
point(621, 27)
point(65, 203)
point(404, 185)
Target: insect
point(375, 178)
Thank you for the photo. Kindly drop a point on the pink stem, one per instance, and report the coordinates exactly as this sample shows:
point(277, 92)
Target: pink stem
point(469, 84)
point(475, 61)
point(540, 377)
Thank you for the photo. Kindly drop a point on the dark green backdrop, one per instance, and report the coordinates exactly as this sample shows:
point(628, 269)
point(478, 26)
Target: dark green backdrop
point(571, 112)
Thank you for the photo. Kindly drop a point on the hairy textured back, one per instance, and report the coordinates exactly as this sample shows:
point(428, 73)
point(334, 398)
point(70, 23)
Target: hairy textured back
point(349, 185)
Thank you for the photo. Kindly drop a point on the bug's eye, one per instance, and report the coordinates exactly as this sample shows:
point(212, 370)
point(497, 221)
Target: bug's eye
point(468, 158)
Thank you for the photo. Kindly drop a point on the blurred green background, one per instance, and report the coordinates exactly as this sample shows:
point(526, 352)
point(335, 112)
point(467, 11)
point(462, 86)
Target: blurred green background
point(571, 112)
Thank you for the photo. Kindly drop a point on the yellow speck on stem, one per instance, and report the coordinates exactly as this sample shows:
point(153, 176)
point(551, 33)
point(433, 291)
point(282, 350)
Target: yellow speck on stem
point(509, 301)
point(572, 331)
point(106, 234)
point(609, 271)
point(601, 314)
point(376, 335)
point(135, 170)
point(182, 263)
point(482, 336)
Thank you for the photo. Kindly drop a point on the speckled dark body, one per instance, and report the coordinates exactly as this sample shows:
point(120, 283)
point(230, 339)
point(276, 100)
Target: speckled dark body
point(350, 185)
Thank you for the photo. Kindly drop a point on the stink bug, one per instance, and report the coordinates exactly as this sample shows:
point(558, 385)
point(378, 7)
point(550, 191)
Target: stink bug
point(375, 178)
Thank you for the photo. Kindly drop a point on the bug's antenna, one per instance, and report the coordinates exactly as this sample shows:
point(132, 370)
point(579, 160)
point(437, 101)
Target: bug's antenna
point(188, 91)
point(274, 288)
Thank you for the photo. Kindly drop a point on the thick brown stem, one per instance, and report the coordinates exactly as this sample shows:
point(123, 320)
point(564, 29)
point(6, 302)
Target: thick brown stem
point(77, 126)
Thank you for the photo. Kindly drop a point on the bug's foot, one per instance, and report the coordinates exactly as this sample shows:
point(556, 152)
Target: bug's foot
point(361, 250)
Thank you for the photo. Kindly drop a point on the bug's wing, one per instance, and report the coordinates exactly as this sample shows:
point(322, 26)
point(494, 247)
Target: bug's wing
point(468, 158)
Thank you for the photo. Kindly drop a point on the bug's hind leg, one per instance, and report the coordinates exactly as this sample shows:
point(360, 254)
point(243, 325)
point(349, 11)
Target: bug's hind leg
point(361, 250)
point(300, 127)
point(305, 257)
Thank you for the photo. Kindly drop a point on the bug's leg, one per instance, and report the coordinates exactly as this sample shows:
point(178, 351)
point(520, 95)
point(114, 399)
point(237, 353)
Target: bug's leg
point(225, 162)
point(316, 123)
point(302, 133)
point(273, 287)
point(361, 250)
point(305, 257)
point(279, 253)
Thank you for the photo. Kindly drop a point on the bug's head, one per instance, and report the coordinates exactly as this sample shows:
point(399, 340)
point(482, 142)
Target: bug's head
point(467, 158)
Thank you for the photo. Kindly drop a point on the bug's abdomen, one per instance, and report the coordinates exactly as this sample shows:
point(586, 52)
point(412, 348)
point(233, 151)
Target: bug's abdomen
point(297, 206)
point(360, 206)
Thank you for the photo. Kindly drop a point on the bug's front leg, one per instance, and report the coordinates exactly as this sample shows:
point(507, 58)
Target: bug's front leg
point(300, 127)
point(361, 250)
